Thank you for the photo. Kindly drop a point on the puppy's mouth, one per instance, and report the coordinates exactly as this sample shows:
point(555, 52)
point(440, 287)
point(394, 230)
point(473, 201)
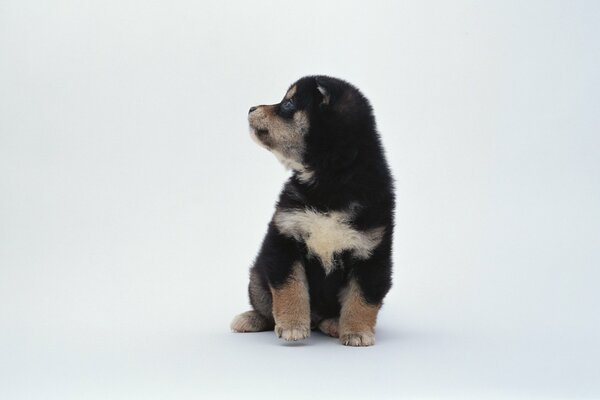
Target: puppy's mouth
point(257, 129)
point(260, 136)
point(259, 132)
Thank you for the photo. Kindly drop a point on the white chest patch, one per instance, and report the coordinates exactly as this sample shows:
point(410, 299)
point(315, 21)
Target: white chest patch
point(327, 234)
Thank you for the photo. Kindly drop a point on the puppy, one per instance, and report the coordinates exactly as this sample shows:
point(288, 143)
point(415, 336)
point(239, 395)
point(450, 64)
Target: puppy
point(325, 261)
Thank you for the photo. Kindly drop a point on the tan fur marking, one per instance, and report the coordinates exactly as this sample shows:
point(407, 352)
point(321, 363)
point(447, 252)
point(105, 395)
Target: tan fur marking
point(291, 92)
point(285, 138)
point(326, 96)
point(306, 175)
point(327, 234)
point(291, 306)
point(357, 317)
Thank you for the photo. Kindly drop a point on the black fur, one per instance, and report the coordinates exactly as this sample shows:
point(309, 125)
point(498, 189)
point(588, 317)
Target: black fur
point(344, 152)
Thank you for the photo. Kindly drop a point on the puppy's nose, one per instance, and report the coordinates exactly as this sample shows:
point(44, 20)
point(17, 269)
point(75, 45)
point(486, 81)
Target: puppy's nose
point(251, 109)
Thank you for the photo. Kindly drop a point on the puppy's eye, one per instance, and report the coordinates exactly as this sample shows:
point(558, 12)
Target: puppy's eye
point(288, 107)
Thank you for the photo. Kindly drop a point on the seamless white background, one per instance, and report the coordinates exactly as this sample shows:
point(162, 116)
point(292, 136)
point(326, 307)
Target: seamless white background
point(132, 200)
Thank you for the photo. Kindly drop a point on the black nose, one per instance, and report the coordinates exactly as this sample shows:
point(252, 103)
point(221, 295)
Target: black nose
point(251, 109)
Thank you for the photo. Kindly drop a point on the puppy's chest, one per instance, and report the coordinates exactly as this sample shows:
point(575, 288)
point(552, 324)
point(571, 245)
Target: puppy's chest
point(327, 234)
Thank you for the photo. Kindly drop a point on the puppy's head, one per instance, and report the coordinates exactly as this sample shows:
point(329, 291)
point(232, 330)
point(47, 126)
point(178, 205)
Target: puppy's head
point(314, 125)
point(282, 128)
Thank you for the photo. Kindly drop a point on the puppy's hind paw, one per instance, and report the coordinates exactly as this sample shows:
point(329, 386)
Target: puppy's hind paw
point(250, 321)
point(330, 326)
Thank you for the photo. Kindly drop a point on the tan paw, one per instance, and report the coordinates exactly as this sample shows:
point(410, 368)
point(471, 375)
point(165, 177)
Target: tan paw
point(292, 332)
point(330, 326)
point(358, 339)
point(250, 321)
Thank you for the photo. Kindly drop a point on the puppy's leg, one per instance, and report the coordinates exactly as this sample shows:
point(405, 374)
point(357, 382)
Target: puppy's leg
point(363, 296)
point(357, 317)
point(291, 305)
point(261, 317)
point(278, 290)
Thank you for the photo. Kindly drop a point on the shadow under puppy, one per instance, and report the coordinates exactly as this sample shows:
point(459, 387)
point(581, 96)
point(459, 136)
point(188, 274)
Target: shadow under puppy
point(325, 261)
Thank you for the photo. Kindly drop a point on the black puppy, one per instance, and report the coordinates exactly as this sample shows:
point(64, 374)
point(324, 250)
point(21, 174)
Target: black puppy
point(326, 259)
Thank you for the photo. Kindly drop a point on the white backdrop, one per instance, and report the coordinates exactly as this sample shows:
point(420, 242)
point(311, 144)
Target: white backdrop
point(132, 200)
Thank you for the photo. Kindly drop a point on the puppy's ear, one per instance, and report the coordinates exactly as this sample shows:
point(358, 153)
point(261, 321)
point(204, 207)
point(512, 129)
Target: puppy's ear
point(325, 92)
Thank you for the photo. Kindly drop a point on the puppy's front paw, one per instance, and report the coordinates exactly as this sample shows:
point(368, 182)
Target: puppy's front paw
point(358, 339)
point(292, 332)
